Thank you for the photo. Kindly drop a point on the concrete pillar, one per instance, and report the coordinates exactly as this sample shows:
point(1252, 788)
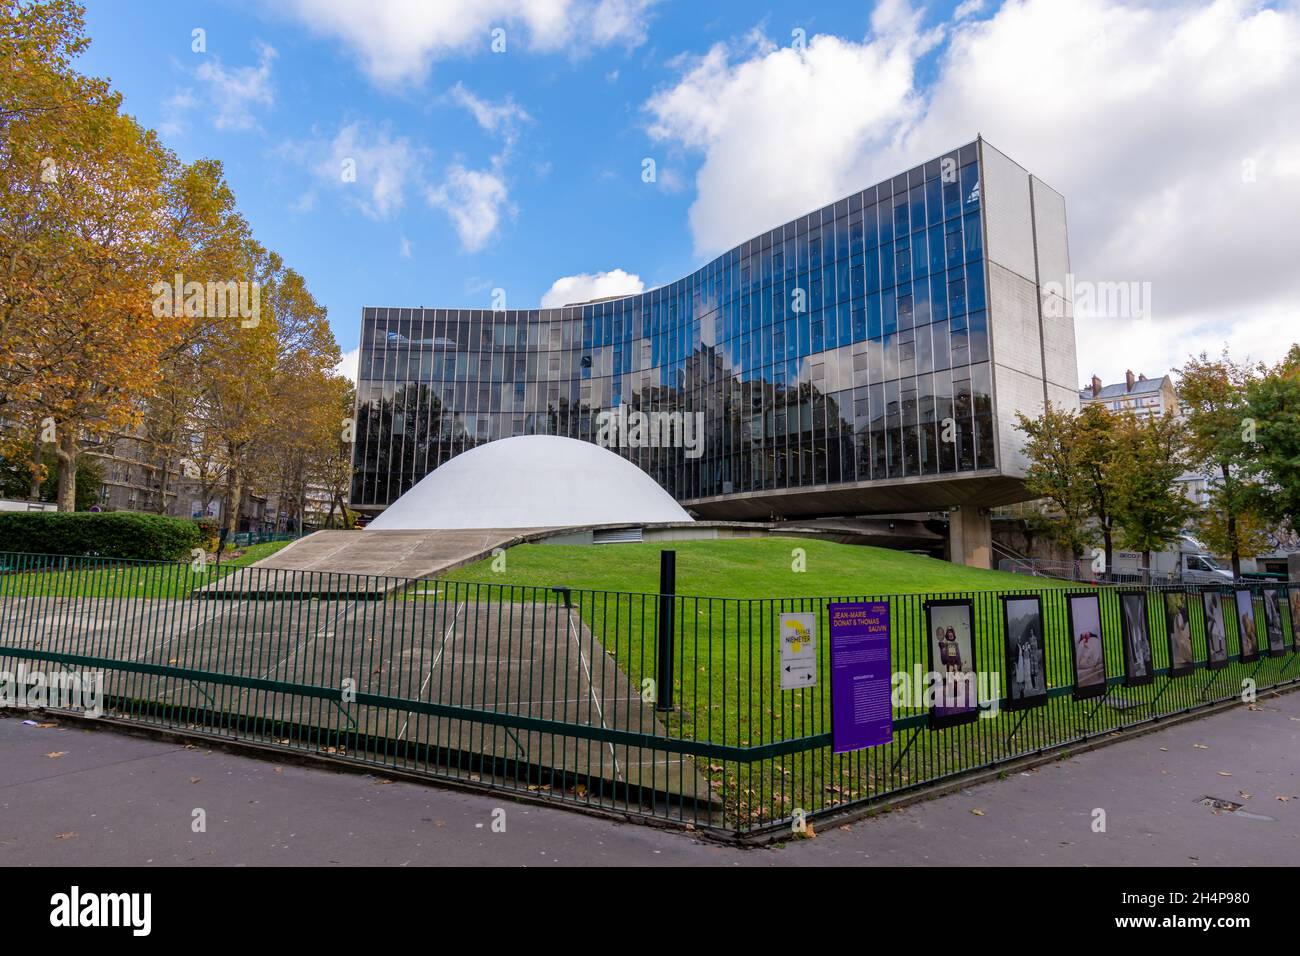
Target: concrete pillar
point(970, 537)
point(1293, 567)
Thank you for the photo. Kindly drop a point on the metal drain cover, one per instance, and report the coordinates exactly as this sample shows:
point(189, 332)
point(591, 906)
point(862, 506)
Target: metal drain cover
point(1219, 806)
point(1227, 806)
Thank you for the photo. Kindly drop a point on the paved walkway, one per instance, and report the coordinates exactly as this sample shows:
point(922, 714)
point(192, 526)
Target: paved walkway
point(460, 648)
point(360, 562)
point(75, 796)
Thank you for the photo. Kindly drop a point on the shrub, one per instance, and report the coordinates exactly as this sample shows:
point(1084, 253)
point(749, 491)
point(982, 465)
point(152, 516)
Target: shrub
point(209, 532)
point(117, 534)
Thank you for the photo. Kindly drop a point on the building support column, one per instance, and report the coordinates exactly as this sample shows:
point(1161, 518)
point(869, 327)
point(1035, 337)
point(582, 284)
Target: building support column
point(970, 537)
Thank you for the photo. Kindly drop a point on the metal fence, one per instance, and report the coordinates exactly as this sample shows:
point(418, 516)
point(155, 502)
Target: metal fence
point(555, 691)
point(244, 539)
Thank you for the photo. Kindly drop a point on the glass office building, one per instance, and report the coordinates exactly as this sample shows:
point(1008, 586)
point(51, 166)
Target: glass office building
point(868, 357)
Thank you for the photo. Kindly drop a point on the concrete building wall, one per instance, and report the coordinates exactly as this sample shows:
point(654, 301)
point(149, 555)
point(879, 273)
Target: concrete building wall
point(1015, 342)
point(1060, 358)
point(1032, 346)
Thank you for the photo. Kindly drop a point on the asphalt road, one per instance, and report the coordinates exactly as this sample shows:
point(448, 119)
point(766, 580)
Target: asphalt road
point(81, 797)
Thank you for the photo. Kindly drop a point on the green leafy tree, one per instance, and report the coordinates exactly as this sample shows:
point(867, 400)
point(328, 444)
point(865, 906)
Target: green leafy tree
point(1213, 393)
point(1094, 438)
point(16, 478)
point(1148, 457)
point(1272, 431)
point(1056, 472)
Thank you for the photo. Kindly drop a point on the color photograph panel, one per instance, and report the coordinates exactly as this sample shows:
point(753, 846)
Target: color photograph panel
point(1247, 636)
point(952, 660)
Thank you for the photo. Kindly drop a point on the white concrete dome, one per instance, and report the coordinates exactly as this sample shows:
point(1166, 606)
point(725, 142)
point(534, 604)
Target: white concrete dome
point(531, 481)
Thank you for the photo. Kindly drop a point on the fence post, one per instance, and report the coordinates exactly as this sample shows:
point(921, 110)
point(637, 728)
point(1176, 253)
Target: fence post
point(667, 596)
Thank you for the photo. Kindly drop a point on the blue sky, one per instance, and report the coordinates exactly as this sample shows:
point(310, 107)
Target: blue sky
point(478, 170)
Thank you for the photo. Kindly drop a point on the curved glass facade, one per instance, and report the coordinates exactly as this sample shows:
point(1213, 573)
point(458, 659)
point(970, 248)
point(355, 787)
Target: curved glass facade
point(850, 345)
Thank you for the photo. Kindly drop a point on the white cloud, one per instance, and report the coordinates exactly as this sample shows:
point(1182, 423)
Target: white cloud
point(347, 366)
point(1141, 115)
point(174, 110)
point(233, 93)
point(405, 248)
point(585, 286)
point(502, 118)
point(397, 41)
point(783, 131)
point(475, 200)
point(371, 167)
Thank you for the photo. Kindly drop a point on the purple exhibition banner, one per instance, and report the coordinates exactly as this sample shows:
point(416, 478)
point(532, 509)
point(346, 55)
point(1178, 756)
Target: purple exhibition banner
point(861, 667)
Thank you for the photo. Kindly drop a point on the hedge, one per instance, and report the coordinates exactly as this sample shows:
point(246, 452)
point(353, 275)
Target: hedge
point(115, 534)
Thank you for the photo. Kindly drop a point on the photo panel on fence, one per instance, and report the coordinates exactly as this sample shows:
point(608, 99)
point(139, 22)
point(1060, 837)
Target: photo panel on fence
point(1135, 628)
point(1294, 600)
point(1247, 634)
point(951, 641)
point(1216, 629)
point(1026, 647)
point(1087, 653)
point(1273, 623)
point(1178, 626)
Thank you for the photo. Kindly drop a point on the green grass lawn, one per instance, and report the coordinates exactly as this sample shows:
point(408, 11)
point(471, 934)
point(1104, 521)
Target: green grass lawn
point(128, 578)
point(741, 568)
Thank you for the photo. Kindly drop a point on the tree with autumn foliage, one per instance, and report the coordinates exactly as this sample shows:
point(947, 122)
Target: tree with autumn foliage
point(113, 255)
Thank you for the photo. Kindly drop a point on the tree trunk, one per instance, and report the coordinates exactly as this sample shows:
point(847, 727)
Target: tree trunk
point(66, 449)
point(37, 448)
point(1146, 567)
point(1236, 547)
point(1108, 541)
point(235, 493)
point(164, 476)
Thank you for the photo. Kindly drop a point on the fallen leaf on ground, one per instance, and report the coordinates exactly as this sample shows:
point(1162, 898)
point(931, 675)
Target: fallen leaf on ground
point(978, 813)
point(56, 753)
point(64, 836)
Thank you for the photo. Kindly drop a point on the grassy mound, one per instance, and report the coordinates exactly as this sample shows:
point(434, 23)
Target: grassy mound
point(740, 568)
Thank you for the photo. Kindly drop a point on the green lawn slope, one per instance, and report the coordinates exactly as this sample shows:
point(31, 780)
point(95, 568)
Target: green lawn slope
point(741, 568)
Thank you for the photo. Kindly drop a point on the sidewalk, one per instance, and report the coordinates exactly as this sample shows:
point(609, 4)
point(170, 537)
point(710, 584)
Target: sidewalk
point(84, 797)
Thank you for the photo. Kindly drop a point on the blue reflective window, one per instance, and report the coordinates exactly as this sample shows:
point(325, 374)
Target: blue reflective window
point(974, 237)
point(975, 286)
point(970, 187)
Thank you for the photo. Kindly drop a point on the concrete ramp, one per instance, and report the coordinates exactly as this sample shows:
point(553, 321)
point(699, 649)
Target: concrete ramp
point(357, 563)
